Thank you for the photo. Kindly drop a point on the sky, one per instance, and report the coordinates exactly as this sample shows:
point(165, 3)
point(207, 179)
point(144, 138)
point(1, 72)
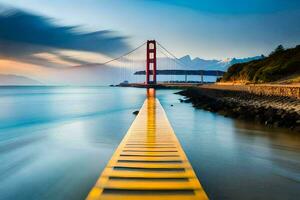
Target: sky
point(209, 29)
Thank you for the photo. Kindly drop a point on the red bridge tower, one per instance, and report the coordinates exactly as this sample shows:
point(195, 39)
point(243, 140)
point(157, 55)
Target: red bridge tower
point(151, 62)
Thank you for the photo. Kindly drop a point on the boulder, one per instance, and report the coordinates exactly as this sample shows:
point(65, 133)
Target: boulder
point(136, 112)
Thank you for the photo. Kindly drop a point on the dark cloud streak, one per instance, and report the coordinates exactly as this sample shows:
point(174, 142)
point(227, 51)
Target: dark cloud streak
point(23, 33)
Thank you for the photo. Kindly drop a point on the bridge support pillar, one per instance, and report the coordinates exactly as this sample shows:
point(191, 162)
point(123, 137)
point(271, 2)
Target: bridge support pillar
point(151, 62)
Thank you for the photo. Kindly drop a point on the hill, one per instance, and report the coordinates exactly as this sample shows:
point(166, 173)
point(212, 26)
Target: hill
point(17, 80)
point(280, 66)
point(213, 64)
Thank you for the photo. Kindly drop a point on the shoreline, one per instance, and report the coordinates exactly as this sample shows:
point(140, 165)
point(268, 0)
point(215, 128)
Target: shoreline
point(270, 110)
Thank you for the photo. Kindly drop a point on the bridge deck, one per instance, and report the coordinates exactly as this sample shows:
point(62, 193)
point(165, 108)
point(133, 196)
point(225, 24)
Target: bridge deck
point(149, 163)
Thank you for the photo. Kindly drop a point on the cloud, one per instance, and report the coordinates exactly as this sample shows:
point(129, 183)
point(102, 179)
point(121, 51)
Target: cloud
point(23, 34)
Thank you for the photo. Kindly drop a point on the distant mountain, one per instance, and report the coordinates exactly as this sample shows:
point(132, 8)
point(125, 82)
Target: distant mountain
point(17, 80)
point(198, 63)
point(100, 74)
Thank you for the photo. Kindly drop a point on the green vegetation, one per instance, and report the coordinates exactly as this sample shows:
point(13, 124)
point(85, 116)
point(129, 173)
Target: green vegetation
point(279, 65)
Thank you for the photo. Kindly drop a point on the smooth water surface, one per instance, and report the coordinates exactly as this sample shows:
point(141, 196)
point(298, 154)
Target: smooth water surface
point(55, 141)
point(237, 159)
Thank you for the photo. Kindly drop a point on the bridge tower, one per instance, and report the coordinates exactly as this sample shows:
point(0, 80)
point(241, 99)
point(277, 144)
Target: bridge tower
point(151, 62)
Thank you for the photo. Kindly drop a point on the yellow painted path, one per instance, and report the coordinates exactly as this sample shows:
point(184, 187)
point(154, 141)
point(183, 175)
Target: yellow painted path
point(149, 162)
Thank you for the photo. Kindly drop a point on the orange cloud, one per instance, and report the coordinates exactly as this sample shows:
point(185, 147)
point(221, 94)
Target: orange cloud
point(36, 72)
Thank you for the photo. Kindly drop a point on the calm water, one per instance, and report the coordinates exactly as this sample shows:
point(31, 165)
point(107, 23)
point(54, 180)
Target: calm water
point(55, 141)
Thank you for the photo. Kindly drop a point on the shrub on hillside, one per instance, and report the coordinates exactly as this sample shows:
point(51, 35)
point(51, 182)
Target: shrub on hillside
point(281, 63)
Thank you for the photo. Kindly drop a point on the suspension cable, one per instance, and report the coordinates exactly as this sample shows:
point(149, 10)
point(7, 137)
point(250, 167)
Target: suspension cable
point(126, 54)
point(114, 59)
point(174, 59)
point(172, 55)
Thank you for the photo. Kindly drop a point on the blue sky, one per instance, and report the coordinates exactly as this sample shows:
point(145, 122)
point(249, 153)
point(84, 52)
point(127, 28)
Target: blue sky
point(203, 28)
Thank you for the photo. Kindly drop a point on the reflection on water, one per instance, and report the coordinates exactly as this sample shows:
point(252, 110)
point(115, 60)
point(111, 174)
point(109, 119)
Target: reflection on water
point(151, 116)
point(236, 159)
point(55, 141)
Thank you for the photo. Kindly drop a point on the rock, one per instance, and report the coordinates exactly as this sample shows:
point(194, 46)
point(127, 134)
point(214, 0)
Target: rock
point(270, 113)
point(136, 112)
point(258, 118)
point(187, 100)
point(297, 128)
point(280, 112)
point(276, 124)
point(223, 112)
point(259, 108)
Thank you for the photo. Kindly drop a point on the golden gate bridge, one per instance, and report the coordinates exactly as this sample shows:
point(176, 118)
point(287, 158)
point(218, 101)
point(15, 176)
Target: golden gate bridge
point(149, 64)
point(149, 163)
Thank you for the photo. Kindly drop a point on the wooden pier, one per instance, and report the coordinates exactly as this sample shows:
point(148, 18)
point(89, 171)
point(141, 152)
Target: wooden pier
point(149, 162)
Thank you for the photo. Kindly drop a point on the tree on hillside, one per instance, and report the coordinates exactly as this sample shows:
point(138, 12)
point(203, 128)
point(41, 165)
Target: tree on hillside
point(279, 48)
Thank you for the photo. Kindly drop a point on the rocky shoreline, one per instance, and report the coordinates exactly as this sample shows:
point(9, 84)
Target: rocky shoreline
point(272, 111)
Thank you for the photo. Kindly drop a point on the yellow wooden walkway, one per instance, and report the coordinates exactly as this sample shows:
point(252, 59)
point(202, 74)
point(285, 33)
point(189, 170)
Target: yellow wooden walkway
point(149, 162)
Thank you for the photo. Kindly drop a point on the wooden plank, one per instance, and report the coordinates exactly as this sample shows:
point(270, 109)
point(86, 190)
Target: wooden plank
point(149, 163)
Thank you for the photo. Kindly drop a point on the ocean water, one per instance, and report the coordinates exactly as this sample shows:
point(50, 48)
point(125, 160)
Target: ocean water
point(55, 141)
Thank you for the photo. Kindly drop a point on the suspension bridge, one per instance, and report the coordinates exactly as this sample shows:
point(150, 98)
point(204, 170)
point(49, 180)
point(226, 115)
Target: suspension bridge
point(149, 163)
point(151, 64)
